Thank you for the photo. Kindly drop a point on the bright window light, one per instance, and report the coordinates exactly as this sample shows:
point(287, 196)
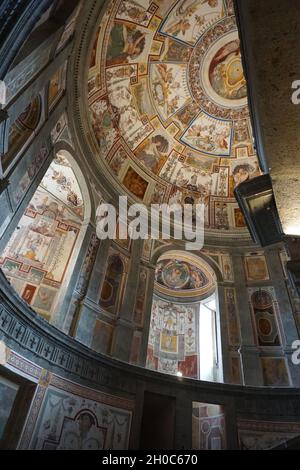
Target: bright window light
point(207, 339)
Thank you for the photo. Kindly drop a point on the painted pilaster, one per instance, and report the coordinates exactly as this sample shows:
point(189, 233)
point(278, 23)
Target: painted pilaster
point(123, 336)
point(122, 341)
point(127, 308)
point(251, 363)
point(223, 329)
point(67, 308)
point(89, 309)
point(147, 316)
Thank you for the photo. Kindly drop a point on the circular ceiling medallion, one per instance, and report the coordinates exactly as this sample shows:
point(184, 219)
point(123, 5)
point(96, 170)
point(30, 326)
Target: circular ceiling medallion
point(226, 72)
point(223, 74)
point(216, 73)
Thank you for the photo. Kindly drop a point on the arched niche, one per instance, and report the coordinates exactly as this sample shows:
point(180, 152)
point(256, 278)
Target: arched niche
point(184, 336)
point(40, 257)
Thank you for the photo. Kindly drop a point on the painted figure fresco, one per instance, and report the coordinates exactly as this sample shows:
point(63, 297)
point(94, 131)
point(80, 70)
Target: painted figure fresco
point(62, 183)
point(209, 136)
point(103, 124)
point(126, 44)
point(179, 275)
point(153, 152)
point(182, 274)
point(169, 88)
point(243, 172)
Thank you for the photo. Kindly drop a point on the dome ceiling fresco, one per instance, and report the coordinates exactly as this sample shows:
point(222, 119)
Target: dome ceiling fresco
point(168, 105)
point(183, 275)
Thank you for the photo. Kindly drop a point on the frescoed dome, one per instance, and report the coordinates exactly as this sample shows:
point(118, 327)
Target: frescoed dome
point(168, 105)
